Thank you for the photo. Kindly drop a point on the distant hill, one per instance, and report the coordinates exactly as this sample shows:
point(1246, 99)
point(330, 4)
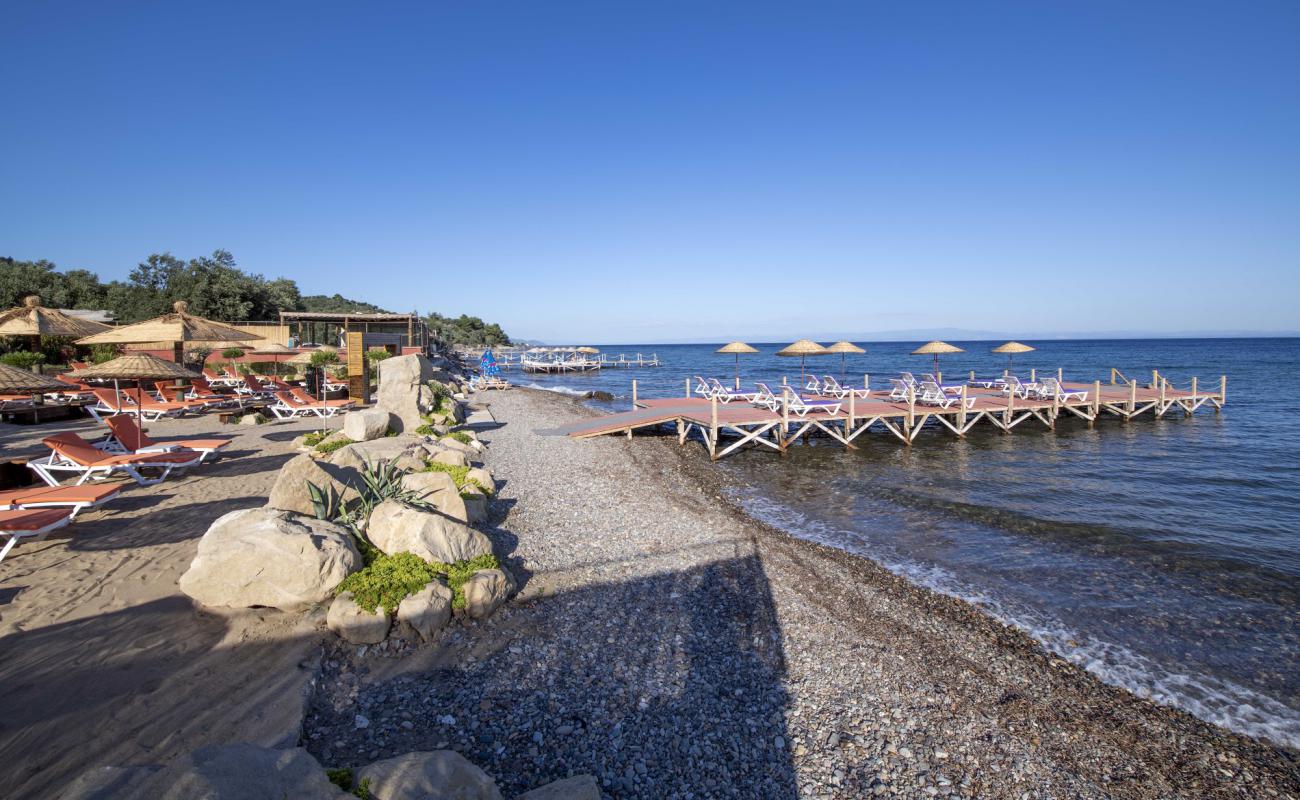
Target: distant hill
point(338, 304)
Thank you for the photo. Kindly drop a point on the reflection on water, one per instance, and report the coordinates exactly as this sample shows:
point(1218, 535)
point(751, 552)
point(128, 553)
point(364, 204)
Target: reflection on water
point(1162, 555)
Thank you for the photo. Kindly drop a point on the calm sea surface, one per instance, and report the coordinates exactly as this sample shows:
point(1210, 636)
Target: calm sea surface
point(1162, 555)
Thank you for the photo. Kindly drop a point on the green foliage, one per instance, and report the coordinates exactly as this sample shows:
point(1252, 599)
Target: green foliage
point(375, 356)
point(338, 304)
point(466, 330)
point(321, 358)
point(458, 474)
point(325, 448)
point(231, 353)
point(460, 436)
point(22, 359)
point(314, 438)
point(456, 575)
point(388, 580)
point(103, 352)
point(341, 778)
point(441, 394)
point(326, 503)
point(426, 429)
point(363, 790)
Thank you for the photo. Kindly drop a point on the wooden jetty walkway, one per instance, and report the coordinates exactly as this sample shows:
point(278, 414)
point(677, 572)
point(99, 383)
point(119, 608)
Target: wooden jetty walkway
point(726, 427)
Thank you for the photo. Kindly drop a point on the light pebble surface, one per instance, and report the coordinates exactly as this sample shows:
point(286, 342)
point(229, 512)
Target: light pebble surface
point(675, 648)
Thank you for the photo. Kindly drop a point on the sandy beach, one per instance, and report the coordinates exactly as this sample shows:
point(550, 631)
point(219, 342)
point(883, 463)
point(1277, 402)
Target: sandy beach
point(674, 647)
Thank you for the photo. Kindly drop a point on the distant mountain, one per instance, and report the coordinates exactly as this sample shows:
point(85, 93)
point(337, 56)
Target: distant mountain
point(338, 304)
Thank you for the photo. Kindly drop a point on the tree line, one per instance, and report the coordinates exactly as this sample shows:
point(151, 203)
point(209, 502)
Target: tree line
point(214, 287)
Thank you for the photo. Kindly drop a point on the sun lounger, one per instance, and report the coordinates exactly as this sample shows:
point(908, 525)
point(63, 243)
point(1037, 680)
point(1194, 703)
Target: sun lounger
point(812, 385)
point(126, 437)
point(71, 453)
point(766, 398)
point(800, 406)
point(833, 388)
point(900, 389)
point(951, 388)
point(74, 498)
point(999, 382)
point(287, 406)
point(932, 394)
point(726, 395)
point(221, 380)
point(1012, 384)
point(301, 395)
point(34, 524)
point(1051, 388)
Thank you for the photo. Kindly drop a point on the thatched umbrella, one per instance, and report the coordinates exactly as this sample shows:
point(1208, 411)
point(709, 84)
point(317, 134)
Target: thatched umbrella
point(14, 380)
point(277, 350)
point(844, 348)
point(802, 348)
point(591, 351)
point(935, 348)
point(135, 367)
point(1011, 348)
point(737, 348)
point(33, 320)
point(179, 327)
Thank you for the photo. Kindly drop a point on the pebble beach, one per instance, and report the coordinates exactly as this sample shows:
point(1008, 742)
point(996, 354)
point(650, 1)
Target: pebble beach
point(672, 646)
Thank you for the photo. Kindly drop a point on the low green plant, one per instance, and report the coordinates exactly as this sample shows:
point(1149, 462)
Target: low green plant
point(103, 352)
point(458, 474)
point(341, 777)
point(231, 353)
point(426, 429)
point(321, 358)
point(363, 790)
point(460, 436)
point(22, 359)
point(388, 580)
point(327, 447)
point(375, 356)
point(314, 438)
point(326, 503)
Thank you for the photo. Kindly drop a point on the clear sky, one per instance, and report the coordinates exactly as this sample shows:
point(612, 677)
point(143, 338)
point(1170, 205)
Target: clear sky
point(611, 171)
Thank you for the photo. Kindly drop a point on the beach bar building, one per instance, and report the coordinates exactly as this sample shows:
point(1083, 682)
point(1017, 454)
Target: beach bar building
point(400, 334)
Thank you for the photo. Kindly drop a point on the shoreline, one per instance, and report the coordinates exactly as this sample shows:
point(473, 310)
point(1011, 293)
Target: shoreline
point(888, 687)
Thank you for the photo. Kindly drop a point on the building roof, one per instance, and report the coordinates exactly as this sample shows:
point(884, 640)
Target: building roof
point(324, 316)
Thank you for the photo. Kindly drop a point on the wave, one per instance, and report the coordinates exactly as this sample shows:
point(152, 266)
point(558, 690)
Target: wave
point(1221, 702)
point(564, 390)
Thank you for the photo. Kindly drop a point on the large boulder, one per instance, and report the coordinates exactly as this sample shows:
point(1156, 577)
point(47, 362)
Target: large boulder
point(452, 458)
point(400, 381)
point(485, 592)
point(475, 503)
point(483, 477)
point(439, 490)
point(407, 450)
point(397, 528)
point(449, 443)
point(579, 787)
point(366, 424)
point(436, 775)
point(241, 772)
point(427, 610)
point(267, 557)
point(290, 492)
point(353, 623)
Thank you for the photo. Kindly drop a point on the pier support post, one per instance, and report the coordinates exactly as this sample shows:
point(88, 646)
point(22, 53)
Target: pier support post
point(1155, 378)
point(1056, 407)
point(688, 388)
point(911, 412)
point(1010, 412)
point(1060, 374)
point(1223, 393)
point(713, 427)
point(971, 376)
point(961, 413)
point(1132, 399)
point(848, 423)
point(634, 395)
point(1096, 403)
point(785, 417)
point(1160, 405)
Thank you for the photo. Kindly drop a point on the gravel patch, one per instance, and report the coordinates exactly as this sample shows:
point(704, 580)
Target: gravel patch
point(675, 648)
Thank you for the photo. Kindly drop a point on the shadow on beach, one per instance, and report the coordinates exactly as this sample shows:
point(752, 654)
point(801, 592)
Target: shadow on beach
point(687, 668)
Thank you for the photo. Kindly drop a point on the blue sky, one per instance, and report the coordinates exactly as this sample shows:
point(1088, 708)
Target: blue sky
point(673, 171)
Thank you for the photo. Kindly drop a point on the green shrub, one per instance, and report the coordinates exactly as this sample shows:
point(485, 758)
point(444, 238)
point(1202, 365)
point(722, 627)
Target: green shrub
point(325, 448)
point(426, 429)
point(22, 359)
point(231, 353)
point(314, 438)
point(460, 436)
point(458, 474)
point(375, 356)
point(341, 778)
point(103, 352)
point(321, 358)
point(388, 580)
point(456, 575)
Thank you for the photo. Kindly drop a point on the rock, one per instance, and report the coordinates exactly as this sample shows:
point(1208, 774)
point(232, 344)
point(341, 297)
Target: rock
point(474, 503)
point(366, 424)
point(398, 528)
point(406, 451)
point(353, 623)
point(485, 592)
point(438, 489)
point(598, 395)
point(579, 787)
point(436, 775)
point(427, 610)
point(453, 444)
point(290, 491)
point(452, 458)
point(252, 419)
point(483, 477)
point(267, 557)
point(400, 381)
point(239, 771)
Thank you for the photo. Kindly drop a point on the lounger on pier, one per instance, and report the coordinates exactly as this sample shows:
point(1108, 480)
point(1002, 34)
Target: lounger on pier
point(932, 394)
point(766, 398)
point(900, 389)
point(126, 437)
point(34, 524)
point(73, 498)
point(702, 387)
point(989, 383)
point(726, 395)
point(813, 385)
point(800, 406)
point(71, 453)
point(947, 387)
point(1013, 385)
point(1051, 388)
point(832, 388)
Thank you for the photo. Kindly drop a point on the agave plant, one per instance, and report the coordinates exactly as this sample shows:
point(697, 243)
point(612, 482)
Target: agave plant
point(327, 503)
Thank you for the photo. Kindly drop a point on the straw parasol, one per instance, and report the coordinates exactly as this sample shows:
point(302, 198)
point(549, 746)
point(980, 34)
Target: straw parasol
point(134, 367)
point(935, 348)
point(587, 349)
point(802, 348)
point(737, 348)
point(33, 319)
point(1011, 348)
point(844, 348)
point(178, 327)
point(274, 349)
point(20, 381)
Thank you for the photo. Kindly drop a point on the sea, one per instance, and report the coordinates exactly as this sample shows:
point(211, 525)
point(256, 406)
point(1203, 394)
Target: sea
point(1163, 556)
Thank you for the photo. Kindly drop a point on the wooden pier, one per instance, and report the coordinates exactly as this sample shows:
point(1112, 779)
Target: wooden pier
point(726, 427)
